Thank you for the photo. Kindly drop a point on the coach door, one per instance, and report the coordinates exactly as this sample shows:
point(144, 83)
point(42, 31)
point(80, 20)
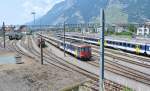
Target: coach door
point(78, 51)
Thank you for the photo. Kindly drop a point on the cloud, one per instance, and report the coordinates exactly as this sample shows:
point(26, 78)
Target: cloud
point(41, 7)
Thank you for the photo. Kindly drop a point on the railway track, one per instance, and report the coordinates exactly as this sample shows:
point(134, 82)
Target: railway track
point(138, 58)
point(58, 60)
point(126, 71)
point(123, 70)
point(72, 67)
point(122, 58)
point(8, 45)
point(54, 60)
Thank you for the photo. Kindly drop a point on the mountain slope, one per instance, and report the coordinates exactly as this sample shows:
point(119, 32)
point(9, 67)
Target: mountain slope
point(82, 11)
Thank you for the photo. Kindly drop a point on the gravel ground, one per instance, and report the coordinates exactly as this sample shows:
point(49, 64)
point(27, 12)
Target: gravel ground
point(32, 76)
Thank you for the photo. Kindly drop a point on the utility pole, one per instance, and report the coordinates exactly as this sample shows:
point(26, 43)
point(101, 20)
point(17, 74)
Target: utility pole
point(41, 49)
point(101, 62)
point(3, 28)
point(64, 39)
point(41, 45)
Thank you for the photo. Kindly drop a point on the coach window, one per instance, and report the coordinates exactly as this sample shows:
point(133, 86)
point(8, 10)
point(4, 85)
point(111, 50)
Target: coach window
point(96, 40)
point(120, 43)
point(133, 46)
point(110, 42)
point(142, 47)
point(82, 49)
point(107, 41)
point(124, 44)
point(128, 45)
point(91, 39)
point(89, 49)
point(86, 49)
point(116, 43)
point(113, 42)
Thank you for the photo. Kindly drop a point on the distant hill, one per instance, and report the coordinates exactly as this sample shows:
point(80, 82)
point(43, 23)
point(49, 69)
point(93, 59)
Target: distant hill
point(82, 11)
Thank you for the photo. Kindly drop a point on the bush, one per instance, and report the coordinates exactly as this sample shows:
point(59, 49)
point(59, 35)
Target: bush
point(109, 32)
point(124, 33)
point(132, 28)
point(127, 89)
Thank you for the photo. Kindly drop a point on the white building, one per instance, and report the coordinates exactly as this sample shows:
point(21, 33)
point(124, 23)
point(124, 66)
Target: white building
point(143, 31)
point(121, 28)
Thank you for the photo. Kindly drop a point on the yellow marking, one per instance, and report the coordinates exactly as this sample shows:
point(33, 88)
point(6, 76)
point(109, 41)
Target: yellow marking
point(75, 61)
point(105, 43)
point(99, 42)
point(137, 49)
point(76, 53)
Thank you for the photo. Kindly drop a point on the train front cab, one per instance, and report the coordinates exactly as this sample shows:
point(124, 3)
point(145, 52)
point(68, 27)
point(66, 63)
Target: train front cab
point(84, 52)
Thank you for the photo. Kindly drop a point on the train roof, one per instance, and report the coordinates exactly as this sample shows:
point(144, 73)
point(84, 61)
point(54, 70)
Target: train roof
point(119, 39)
point(77, 44)
point(126, 41)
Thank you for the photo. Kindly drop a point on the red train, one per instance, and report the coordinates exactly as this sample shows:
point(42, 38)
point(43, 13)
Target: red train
point(81, 51)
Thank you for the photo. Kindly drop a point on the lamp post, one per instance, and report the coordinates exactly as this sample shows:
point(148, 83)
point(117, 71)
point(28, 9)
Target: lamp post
point(33, 13)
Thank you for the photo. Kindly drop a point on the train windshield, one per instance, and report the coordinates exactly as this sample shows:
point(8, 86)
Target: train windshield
point(87, 49)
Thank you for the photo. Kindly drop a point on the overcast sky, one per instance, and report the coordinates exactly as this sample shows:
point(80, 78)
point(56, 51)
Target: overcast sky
point(19, 11)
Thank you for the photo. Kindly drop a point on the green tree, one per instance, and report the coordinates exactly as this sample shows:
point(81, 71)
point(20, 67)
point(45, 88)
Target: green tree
point(132, 28)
